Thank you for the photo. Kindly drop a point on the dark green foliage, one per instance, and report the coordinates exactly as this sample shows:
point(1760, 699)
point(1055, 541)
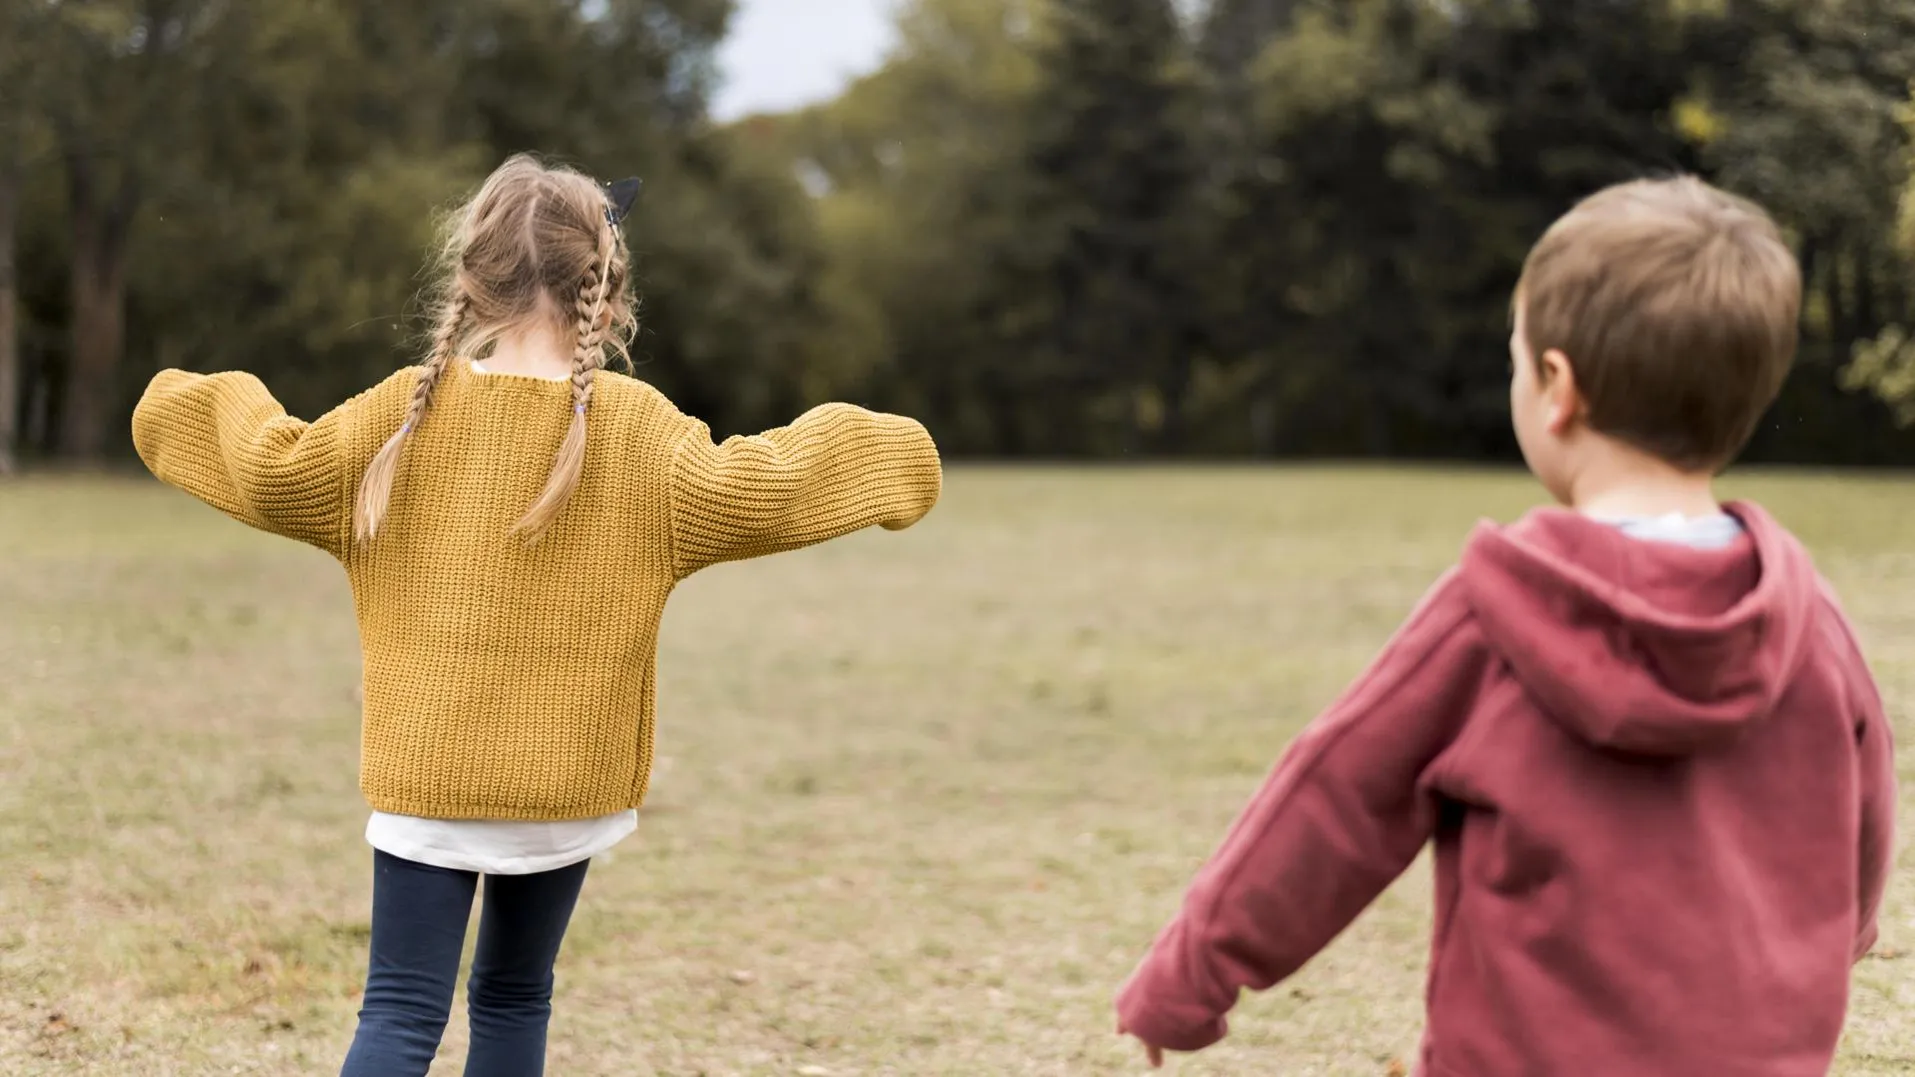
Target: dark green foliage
point(257, 185)
point(1050, 227)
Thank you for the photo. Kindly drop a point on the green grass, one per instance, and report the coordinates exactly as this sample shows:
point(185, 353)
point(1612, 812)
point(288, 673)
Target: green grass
point(923, 799)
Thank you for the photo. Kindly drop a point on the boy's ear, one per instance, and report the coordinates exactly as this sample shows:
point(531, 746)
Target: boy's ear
point(1565, 397)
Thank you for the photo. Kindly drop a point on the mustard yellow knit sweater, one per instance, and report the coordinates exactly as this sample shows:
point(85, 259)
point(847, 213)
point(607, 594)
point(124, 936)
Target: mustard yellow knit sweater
point(507, 681)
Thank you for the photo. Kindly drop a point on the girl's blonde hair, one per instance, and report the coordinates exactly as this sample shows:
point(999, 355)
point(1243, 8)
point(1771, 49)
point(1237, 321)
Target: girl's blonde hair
point(535, 242)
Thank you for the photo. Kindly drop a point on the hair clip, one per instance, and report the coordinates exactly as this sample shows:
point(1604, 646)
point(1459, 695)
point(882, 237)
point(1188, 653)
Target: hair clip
point(619, 197)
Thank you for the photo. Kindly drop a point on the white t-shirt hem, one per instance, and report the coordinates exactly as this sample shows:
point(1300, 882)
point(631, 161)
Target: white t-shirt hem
point(497, 848)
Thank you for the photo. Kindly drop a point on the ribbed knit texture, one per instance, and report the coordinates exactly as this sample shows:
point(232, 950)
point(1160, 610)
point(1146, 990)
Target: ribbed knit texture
point(507, 681)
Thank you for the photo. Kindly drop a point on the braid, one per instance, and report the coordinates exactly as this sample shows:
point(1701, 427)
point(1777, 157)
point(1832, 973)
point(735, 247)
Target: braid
point(375, 490)
point(588, 354)
point(444, 339)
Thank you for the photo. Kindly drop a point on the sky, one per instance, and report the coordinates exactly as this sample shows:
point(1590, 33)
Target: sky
point(782, 54)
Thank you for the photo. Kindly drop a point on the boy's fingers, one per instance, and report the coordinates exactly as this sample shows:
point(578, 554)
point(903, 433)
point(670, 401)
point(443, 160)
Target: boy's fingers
point(1151, 1051)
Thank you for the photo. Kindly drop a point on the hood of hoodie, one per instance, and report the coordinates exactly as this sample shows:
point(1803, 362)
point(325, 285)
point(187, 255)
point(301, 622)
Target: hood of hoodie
point(1644, 647)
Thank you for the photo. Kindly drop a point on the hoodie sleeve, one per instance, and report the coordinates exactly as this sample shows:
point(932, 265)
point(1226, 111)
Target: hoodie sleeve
point(1875, 755)
point(1875, 768)
point(1878, 823)
point(1338, 819)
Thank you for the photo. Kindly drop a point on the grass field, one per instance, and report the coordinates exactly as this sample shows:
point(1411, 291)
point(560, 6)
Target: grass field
point(923, 800)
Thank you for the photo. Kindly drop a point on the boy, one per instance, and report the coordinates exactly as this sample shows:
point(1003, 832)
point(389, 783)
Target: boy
point(1637, 728)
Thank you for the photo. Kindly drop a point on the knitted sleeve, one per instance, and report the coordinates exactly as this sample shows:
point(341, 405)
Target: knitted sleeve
point(836, 470)
point(225, 440)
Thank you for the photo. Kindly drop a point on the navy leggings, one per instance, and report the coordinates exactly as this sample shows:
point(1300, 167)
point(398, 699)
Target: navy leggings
point(419, 915)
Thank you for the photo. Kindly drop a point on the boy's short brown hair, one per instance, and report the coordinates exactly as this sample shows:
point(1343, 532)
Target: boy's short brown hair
point(1677, 305)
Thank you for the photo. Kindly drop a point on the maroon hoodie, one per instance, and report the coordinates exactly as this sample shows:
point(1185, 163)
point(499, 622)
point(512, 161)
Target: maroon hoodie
point(1660, 786)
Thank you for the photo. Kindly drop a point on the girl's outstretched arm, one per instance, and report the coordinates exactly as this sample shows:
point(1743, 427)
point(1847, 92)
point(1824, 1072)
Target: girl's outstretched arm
point(836, 470)
point(225, 440)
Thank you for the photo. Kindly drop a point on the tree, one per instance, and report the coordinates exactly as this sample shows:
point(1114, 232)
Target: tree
point(1365, 254)
point(147, 79)
point(9, 317)
point(1796, 104)
point(918, 174)
point(1404, 155)
point(290, 237)
point(1014, 192)
point(1310, 232)
point(1885, 365)
point(248, 185)
point(1109, 210)
point(1047, 227)
point(1234, 32)
point(124, 53)
point(22, 73)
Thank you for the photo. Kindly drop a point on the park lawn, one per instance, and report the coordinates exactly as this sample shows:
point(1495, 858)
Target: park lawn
point(922, 800)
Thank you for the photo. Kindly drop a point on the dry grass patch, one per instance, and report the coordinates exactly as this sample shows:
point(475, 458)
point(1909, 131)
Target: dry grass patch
point(923, 800)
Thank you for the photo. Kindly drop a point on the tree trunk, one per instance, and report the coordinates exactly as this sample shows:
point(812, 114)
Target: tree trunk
point(9, 321)
point(98, 296)
point(1866, 323)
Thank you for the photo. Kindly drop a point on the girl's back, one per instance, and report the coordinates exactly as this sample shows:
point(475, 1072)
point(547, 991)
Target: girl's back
point(521, 670)
point(511, 541)
point(509, 662)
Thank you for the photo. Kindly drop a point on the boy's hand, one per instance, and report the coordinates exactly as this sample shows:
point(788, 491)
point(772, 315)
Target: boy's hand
point(1151, 1051)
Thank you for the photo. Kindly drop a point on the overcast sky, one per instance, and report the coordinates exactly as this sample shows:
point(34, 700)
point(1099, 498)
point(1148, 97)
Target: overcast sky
point(785, 53)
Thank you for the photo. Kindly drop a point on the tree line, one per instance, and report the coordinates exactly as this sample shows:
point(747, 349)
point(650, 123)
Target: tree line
point(1060, 228)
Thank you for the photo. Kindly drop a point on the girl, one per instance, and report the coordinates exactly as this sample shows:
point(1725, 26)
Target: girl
point(511, 518)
